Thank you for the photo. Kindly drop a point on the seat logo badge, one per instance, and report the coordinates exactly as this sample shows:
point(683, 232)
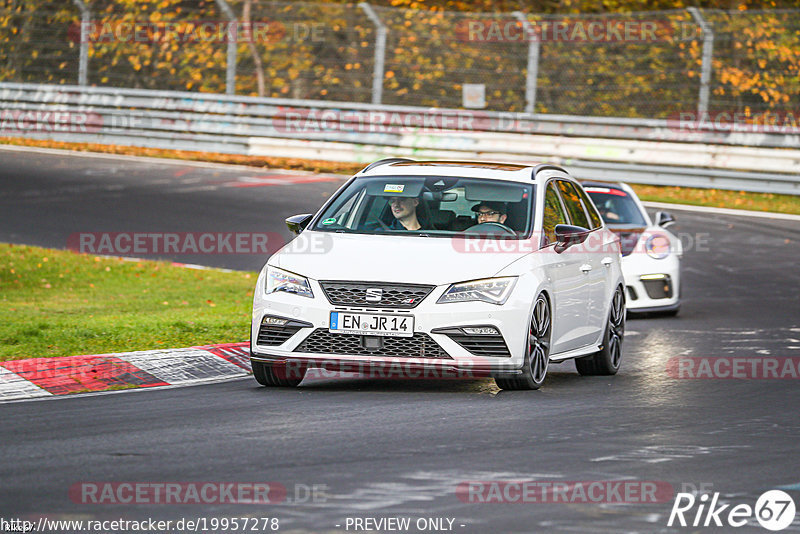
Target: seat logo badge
point(374, 294)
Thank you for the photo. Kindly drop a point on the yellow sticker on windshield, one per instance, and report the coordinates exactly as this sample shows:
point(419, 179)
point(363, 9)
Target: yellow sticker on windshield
point(394, 188)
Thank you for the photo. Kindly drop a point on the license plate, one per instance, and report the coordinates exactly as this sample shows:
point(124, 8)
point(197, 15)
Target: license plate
point(370, 324)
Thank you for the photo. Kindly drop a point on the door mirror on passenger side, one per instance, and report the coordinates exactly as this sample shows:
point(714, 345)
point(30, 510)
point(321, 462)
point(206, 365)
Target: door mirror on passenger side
point(664, 219)
point(568, 235)
point(298, 223)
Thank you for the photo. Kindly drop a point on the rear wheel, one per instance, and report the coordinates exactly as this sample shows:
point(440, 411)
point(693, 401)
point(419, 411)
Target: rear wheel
point(606, 361)
point(268, 375)
point(537, 350)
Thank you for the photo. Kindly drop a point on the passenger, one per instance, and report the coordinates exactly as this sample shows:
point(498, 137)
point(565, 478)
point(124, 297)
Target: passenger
point(491, 212)
point(404, 210)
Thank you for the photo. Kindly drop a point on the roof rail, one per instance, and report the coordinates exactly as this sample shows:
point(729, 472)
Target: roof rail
point(384, 162)
point(545, 167)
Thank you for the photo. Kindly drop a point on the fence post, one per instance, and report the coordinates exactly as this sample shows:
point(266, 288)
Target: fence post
point(533, 62)
point(83, 57)
point(705, 67)
point(380, 52)
point(230, 63)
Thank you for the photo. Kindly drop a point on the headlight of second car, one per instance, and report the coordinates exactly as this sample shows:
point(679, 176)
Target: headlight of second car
point(657, 246)
point(492, 290)
point(280, 280)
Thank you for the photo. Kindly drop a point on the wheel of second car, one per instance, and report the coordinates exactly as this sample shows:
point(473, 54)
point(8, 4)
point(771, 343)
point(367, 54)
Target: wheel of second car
point(607, 360)
point(267, 375)
point(537, 350)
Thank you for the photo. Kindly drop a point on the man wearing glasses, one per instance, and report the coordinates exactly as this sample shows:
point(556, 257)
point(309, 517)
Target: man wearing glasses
point(490, 212)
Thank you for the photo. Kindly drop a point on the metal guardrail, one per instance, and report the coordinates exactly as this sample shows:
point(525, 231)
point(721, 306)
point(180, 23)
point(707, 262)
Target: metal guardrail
point(636, 150)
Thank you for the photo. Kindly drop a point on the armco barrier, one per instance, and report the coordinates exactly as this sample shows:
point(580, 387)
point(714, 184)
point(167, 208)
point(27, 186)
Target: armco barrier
point(636, 150)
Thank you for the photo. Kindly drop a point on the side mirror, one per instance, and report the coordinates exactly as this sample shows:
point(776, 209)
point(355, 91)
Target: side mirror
point(664, 219)
point(298, 223)
point(568, 235)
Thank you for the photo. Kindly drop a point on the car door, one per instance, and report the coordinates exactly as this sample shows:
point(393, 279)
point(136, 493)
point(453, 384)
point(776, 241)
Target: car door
point(603, 249)
point(568, 283)
point(591, 268)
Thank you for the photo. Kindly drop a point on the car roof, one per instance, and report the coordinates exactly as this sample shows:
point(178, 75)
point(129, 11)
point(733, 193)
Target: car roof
point(471, 169)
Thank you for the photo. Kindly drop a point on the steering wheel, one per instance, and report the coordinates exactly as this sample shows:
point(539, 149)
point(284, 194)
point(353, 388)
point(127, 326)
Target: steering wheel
point(382, 224)
point(489, 228)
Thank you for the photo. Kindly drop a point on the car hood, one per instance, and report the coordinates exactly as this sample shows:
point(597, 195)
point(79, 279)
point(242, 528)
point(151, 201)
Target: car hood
point(628, 236)
point(410, 259)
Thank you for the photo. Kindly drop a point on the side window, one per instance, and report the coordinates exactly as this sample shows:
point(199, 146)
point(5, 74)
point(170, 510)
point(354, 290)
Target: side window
point(572, 201)
point(588, 205)
point(553, 214)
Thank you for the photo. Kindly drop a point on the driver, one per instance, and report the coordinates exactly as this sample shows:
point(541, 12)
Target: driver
point(489, 211)
point(404, 210)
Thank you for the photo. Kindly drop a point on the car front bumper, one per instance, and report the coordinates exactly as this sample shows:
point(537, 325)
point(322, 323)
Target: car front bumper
point(651, 285)
point(437, 348)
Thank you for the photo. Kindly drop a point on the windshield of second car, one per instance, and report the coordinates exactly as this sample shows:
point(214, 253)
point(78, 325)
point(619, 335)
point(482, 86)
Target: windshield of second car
point(430, 205)
point(615, 205)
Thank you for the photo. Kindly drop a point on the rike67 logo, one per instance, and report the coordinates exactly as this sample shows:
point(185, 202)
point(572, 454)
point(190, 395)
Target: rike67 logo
point(774, 510)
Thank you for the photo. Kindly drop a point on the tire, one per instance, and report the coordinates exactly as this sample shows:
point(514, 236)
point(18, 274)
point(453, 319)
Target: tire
point(267, 375)
point(606, 361)
point(537, 350)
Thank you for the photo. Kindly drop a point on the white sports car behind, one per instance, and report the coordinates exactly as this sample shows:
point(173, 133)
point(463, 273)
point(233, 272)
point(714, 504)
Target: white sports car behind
point(651, 254)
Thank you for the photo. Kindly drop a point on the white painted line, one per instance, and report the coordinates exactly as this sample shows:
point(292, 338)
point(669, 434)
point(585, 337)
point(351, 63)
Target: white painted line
point(13, 386)
point(724, 211)
point(182, 366)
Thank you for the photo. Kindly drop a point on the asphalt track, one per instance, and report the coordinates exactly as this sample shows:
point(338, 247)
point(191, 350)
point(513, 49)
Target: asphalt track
point(400, 448)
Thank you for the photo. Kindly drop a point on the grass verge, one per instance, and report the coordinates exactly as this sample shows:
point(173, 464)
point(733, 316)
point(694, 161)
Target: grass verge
point(60, 303)
point(718, 198)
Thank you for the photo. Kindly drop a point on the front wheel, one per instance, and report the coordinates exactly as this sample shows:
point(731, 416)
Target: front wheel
point(268, 375)
point(606, 361)
point(537, 351)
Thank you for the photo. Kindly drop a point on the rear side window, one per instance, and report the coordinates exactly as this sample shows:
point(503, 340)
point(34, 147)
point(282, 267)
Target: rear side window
point(572, 201)
point(553, 215)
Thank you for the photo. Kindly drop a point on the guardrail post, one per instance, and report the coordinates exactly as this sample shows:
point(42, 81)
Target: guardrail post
point(83, 57)
point(705, 67)
point(533, 62)
point(380, 52)
point(230, 67)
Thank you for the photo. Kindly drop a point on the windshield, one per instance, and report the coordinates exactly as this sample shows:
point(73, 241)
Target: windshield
point(431, 206)
point(615, 205)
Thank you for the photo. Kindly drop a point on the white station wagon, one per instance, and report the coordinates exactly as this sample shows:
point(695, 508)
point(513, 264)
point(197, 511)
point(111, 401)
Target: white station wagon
point(438, 269)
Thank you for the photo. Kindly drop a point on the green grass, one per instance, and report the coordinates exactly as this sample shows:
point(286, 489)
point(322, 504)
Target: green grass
point(60, 303)
point(720, 198)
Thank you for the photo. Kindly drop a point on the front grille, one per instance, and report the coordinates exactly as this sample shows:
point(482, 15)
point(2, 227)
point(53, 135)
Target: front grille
point(418, 346)
point(659, 288)
point(392, 295)
point(494, 346)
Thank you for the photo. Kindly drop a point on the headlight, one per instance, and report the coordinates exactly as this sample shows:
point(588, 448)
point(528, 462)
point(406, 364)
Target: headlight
point(492, 290)
point(280, 280)
point(657, 246)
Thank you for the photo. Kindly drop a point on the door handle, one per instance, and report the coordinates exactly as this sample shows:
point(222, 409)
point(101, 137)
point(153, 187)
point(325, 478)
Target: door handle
point(606, 261)
point(585, 268)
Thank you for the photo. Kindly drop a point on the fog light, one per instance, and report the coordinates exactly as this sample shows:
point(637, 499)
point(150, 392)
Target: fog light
point(274, 321)
point(480, 330)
